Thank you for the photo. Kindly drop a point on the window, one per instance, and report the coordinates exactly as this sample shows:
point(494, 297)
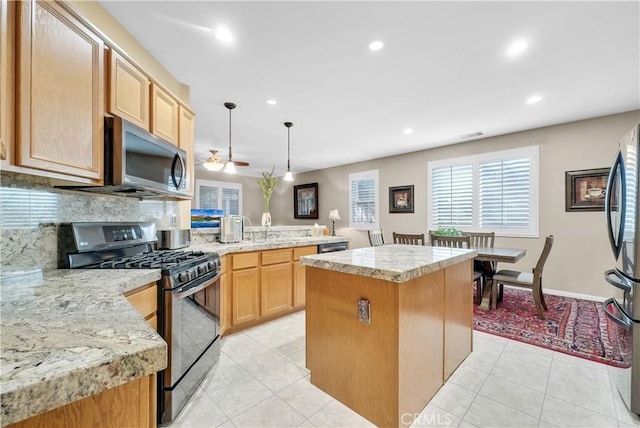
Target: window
point(27, 208)
point(495, 191)
point(219, 195)
point(363, 200)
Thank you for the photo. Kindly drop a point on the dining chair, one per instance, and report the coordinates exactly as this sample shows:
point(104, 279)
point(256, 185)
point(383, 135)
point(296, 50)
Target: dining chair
point(376, 237)
point(401, 238)
point(482, 240)
point(461, 242)
point(525, 279)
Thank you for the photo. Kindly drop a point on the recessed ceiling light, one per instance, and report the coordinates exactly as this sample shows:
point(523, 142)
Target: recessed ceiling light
point(224, 35)
point(271, 102)
point(533, 99)
point(376, 46)
point(407, 131)
point(517, 47)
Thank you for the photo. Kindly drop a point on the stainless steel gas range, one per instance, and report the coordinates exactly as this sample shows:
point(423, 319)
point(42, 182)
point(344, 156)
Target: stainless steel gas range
point(188, 298)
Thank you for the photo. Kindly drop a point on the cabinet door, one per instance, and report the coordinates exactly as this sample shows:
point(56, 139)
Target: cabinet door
point(299, 284)
point(145, 300)
point(226, 308)
point(246, 295)
point(186, 125)
point(276, 288)
point(7, 83)
point(128, 91)
point(164, 115)
point(61, 89)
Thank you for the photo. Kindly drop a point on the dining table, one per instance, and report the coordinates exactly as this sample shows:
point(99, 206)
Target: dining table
point(490, 256)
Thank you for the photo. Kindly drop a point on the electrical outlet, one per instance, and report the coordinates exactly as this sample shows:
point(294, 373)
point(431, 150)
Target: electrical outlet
point(364, 311)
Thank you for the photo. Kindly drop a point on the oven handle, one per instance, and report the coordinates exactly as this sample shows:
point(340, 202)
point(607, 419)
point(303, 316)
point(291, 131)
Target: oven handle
point(193, 288)
point(623, 320)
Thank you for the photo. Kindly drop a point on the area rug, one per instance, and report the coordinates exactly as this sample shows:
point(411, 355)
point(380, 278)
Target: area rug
point(572, 326)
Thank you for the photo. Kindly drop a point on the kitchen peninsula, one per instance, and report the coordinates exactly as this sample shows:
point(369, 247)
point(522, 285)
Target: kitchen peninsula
point(386, 326)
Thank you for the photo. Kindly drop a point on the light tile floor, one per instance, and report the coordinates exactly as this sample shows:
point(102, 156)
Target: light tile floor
point(261, 381)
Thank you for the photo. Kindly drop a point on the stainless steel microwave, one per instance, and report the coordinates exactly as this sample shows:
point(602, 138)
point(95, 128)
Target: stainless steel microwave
point(139, 164)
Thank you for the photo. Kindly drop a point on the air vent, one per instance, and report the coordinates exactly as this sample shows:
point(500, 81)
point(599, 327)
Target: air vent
point(471, 135)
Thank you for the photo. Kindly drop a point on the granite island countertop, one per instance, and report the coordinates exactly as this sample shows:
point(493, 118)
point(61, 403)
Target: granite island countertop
point(69, 334)
point(268, 244)
point(392, 262)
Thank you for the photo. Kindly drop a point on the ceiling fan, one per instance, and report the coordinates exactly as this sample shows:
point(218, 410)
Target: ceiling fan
point(215, 163)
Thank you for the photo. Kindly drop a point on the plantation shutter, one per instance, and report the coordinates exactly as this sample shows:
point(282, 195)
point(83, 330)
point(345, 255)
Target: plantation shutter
point(208, 197)
point(505, 193)
point(452, 190)
point(27, 208)
point(363, 200)
point(219, 195)
point(230, 201)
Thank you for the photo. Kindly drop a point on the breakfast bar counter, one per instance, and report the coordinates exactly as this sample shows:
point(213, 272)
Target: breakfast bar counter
point(386, 326)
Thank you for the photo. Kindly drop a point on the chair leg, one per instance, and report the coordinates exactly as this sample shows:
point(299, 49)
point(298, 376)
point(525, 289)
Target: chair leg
point(538, 301)
point(544, 304)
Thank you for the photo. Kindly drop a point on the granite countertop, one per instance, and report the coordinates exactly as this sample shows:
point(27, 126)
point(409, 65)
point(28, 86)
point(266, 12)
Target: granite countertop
point(69, 334)
point(393, 262)
point(268, 244)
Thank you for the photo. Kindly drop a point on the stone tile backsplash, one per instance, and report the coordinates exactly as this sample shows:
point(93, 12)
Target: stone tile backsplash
point(31, 211)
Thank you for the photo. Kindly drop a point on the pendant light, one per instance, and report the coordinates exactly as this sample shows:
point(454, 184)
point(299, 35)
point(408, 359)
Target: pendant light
point(213, 163)
point(230, 168)
point(288, 176)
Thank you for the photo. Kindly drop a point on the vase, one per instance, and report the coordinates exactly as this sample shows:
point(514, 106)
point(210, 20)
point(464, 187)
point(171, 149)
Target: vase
point(266, 219)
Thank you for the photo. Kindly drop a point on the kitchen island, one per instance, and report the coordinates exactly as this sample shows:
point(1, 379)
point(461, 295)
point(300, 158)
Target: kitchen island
point(386, 326)
point(71, 336)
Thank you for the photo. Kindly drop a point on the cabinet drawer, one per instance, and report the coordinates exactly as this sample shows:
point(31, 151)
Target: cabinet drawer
point(276, 256)
point(304, 251)
point(145, 300)
point(244, 260)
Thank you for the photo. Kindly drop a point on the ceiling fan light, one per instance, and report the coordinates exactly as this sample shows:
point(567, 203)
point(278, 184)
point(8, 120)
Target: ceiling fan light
point(230, 168)
point(288, 176)
point(213, 166)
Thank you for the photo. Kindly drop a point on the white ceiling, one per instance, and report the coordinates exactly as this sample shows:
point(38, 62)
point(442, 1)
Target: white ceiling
point(442, 71)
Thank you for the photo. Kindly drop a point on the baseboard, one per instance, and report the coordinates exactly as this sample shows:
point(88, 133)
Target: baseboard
point(568, 294)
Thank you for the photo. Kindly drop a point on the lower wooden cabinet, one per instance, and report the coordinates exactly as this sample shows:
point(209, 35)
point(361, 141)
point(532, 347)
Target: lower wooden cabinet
point(128, 405)
point(261, 285)
point(145, 300)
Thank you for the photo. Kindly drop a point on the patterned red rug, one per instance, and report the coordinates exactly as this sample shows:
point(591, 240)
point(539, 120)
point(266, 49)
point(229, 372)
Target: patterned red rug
point(572, 326)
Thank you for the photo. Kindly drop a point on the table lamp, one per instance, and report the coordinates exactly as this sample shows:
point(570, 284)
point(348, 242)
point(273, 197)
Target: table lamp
point(333, 216)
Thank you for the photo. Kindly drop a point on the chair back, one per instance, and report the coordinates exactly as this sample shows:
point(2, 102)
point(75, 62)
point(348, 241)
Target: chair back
point(450, 241)
point(537, 271)
point(481, 239)
point(376, 237)
point(400, 238)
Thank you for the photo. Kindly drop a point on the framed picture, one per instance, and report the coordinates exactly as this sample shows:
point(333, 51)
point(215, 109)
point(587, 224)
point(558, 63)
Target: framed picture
point(401, 199)
point(585, 190)
point(305, 201)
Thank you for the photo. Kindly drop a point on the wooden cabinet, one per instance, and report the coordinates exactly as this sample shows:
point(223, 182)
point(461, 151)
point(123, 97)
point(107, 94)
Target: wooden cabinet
point(299, 276)
point(186, 142)
point(245, 285)
point(164, 115)
point(128, 90)
point(145, 300)
point(60, 107)
point(225, 297)
point(7, 82)
point(276, 282)
point(123, 406)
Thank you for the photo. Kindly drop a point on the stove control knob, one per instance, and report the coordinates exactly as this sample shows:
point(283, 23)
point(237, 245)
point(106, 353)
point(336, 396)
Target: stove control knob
point(202, 269)
point(211, 266)
point(183, 277)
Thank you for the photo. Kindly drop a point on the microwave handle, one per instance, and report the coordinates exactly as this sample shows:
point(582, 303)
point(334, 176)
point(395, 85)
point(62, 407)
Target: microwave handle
point(177, 182)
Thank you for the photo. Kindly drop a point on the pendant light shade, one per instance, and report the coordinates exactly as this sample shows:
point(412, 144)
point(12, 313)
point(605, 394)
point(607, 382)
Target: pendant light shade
point(288, 176)
point(230, 168)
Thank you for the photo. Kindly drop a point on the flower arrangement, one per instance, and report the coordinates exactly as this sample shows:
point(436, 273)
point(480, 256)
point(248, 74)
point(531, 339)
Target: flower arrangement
point(267, 184)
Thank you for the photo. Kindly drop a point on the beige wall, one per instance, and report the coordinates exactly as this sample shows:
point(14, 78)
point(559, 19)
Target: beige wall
point(581, 250)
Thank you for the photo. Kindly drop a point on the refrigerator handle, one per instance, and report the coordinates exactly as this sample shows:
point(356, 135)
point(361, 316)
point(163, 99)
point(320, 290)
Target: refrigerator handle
point(614, 278)
point(618, 163)
point(624, 320)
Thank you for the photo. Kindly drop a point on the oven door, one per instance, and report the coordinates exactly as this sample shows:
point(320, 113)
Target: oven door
point(190, 326)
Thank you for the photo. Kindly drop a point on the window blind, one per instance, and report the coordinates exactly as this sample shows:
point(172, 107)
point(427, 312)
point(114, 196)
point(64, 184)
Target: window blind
point(504, 193)
point(230, 201)
point(219, 195)
point(363, 200)
point(452, 196)
point(27, 208)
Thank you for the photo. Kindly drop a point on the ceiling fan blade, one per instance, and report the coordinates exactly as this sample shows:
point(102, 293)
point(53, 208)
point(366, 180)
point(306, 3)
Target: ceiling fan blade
point(240, 163)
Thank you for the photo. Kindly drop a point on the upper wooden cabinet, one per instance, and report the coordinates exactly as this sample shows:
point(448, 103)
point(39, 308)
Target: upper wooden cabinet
point(186, 142)
point(164, 115)
point(60, 104)
point(128, 91)
point(7, 45)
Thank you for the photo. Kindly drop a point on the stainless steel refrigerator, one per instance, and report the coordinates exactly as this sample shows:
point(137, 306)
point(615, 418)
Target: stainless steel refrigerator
point(622, 208)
